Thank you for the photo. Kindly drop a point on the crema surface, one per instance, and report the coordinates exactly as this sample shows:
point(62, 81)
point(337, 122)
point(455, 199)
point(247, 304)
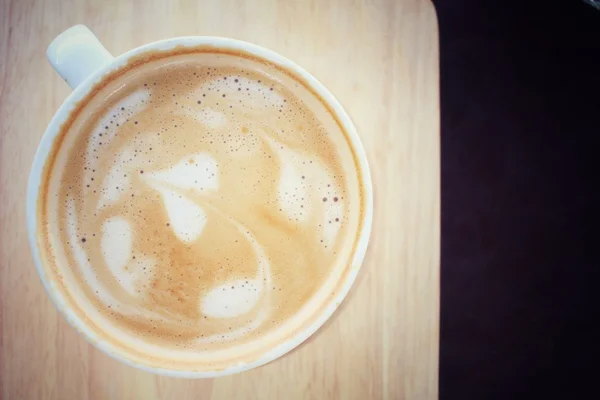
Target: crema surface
point(200, 208)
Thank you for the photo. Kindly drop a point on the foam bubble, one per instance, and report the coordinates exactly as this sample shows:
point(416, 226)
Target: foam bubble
point(333, 214)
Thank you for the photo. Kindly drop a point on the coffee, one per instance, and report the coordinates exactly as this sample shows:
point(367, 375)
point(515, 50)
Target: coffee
point(200, 208)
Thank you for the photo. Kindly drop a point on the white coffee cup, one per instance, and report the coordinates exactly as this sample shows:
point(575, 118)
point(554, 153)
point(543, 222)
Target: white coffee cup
point(82, 61)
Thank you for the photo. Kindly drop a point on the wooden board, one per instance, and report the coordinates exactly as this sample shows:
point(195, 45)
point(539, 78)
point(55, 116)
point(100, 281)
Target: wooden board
point(380, 58)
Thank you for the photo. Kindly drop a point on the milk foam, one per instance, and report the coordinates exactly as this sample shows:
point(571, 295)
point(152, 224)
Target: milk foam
point(298, 199)
point(108, 127)
point(205, 208)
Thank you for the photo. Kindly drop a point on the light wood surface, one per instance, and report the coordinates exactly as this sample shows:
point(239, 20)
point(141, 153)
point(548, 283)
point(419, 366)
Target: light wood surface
point(380, 58)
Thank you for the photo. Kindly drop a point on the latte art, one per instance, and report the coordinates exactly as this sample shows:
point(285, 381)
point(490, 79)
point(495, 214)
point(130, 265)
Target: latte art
point(204, 204)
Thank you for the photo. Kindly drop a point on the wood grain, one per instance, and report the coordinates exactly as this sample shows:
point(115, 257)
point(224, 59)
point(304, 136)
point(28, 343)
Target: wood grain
point(380, 58)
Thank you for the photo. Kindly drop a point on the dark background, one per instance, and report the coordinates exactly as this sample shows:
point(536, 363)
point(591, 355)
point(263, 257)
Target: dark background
point(520, 112)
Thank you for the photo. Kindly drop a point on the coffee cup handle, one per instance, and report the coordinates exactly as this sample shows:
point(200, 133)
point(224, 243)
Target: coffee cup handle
point(77, 53)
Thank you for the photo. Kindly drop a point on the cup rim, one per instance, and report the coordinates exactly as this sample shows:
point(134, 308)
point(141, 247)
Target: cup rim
point(81, 91)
